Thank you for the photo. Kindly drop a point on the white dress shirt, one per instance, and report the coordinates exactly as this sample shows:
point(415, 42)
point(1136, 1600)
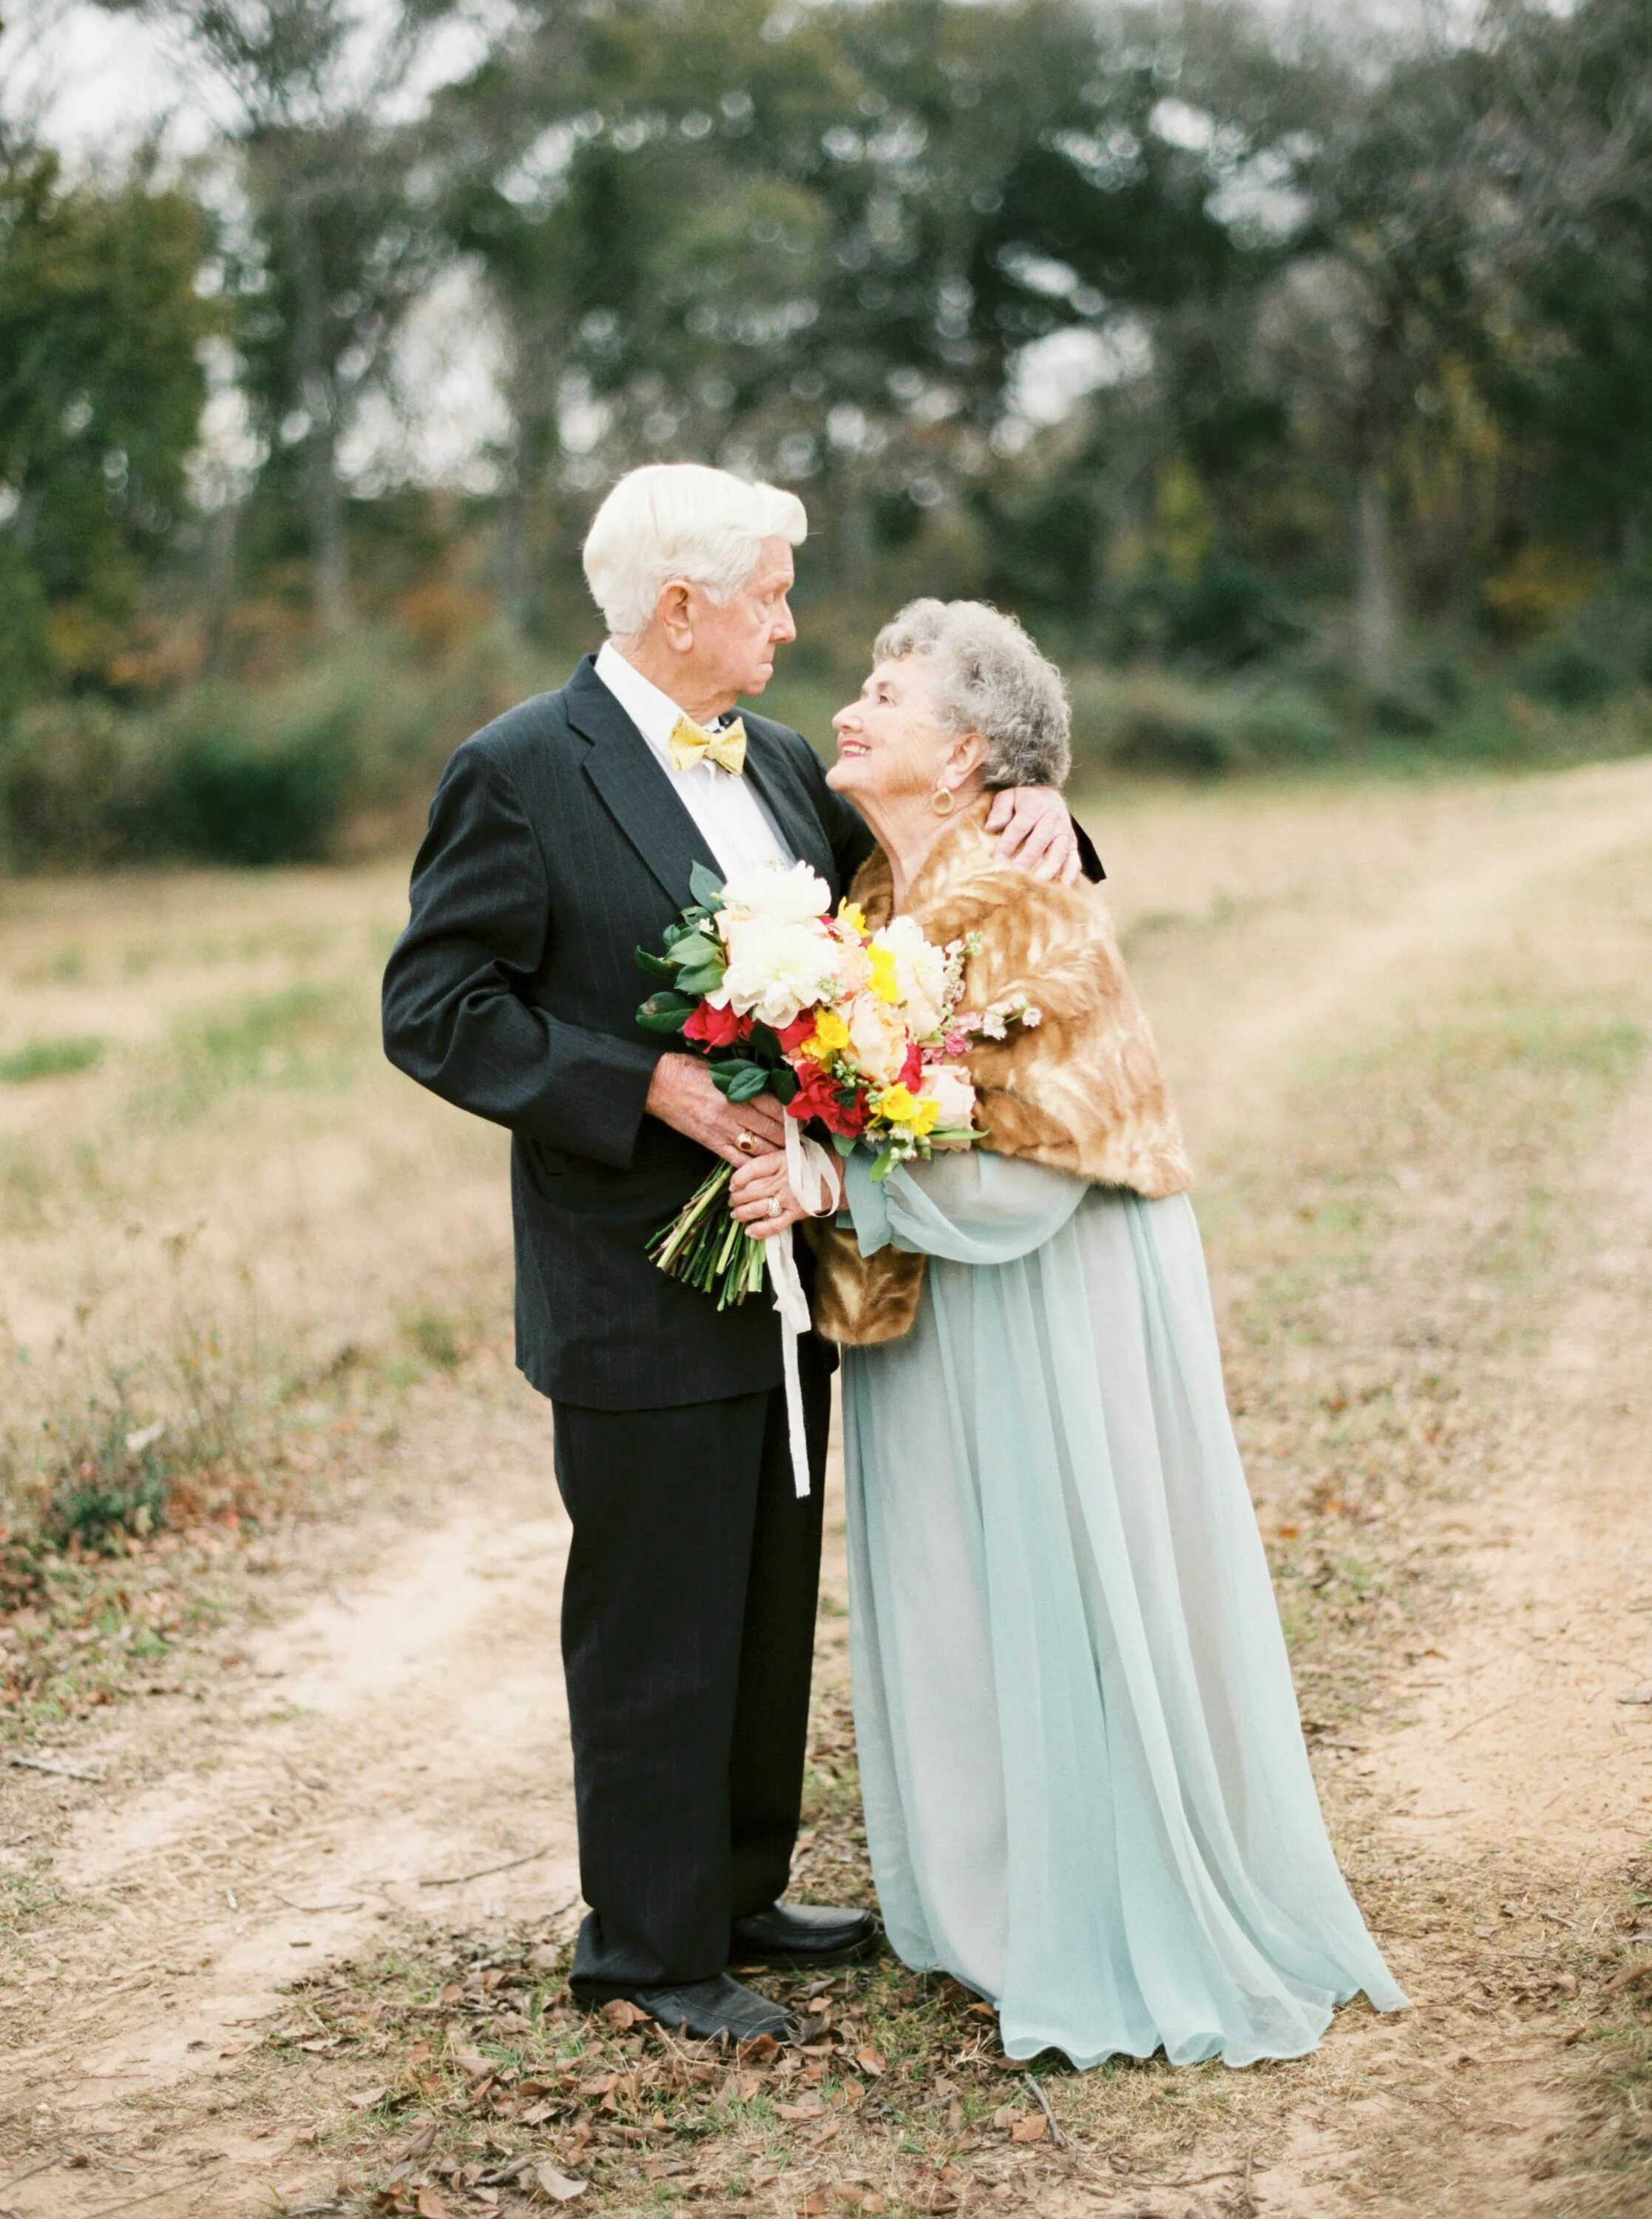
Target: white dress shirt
point(728, 811)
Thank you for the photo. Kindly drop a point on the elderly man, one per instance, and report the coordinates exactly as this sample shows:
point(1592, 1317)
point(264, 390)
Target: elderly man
point(562, 838)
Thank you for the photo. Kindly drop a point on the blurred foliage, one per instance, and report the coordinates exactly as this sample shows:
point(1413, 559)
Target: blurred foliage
point(1354, 446)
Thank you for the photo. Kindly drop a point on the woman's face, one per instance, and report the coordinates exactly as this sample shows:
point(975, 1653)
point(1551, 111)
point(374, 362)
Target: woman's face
point(892, 745)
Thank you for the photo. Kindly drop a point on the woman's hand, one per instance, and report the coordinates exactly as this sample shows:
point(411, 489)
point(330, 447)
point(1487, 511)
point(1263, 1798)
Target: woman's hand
point(759, 1186)
point(1035, 830)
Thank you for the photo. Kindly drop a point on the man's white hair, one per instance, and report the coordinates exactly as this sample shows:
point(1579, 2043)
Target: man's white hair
point(680, 521)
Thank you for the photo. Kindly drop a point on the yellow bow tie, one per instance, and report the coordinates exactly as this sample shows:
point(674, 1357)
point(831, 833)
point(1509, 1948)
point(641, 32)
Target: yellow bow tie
point(690, 744)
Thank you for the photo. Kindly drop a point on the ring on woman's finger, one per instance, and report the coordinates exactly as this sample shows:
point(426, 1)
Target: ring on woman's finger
point(774, 1209)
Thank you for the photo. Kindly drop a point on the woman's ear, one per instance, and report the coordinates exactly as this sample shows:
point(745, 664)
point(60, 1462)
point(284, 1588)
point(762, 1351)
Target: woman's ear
point(964, 760)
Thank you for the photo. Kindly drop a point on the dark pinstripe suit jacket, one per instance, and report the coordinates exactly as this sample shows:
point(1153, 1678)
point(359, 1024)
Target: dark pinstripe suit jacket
point(555, 846)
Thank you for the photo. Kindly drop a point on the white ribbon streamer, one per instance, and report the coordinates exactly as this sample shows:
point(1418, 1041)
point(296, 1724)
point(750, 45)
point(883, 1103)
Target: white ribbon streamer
point(813, 1175)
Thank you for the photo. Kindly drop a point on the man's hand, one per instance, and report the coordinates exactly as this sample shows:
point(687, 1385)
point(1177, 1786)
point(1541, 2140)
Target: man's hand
point(1036, 832)
point(682, 1094)
point(763, 1181)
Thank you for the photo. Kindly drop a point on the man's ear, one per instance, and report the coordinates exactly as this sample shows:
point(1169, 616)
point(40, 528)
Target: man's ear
point(674, 614)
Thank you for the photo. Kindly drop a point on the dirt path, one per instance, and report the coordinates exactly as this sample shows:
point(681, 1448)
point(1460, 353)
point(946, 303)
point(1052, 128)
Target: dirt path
point(402, 1721)
point(1520, 1783)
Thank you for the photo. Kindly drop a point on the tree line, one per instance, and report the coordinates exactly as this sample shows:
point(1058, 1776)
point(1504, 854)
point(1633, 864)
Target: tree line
point(1361, 337)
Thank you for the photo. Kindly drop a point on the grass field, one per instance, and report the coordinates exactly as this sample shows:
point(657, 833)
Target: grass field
point(1408, 1027)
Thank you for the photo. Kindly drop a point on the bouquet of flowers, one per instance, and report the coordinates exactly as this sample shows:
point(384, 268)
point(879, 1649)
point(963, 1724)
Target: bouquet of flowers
point(859, 1031)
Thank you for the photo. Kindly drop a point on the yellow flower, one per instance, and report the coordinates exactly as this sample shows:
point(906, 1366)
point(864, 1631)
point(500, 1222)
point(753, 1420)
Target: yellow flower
point(830, 1036)
point(883, 975)
point(853, 914)
point(898, 1105)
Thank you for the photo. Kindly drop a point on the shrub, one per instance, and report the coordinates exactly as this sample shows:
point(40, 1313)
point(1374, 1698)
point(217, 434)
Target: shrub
point(222, 792)
point(60, 769)
point(113, 1480)
point(1570, 671)
point(1229, 615)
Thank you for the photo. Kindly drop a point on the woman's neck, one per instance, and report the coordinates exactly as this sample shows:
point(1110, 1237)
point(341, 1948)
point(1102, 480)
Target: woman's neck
point(906, 830)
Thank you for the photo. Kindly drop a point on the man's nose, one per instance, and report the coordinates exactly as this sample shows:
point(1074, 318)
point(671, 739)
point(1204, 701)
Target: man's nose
point(784, 627)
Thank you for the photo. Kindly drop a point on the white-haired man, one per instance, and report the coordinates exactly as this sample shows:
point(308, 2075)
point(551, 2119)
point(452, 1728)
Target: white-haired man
point(560, 839)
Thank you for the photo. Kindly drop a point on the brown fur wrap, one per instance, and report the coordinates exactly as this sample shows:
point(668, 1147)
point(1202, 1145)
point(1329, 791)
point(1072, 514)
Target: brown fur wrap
point(1082, 1091)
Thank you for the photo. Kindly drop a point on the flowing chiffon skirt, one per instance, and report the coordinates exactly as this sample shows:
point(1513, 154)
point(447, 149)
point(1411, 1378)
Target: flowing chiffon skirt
point(1087, 1795)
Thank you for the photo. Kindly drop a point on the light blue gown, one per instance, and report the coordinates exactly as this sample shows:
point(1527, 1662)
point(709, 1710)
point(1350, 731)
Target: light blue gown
point(1087, 1795)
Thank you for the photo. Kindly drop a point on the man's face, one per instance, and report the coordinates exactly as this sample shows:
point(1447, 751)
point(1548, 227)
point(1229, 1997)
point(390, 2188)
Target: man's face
point(735, 643)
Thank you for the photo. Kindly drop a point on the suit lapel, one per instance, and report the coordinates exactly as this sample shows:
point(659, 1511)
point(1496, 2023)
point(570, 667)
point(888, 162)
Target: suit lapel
point(634, 786)
point(787, 800)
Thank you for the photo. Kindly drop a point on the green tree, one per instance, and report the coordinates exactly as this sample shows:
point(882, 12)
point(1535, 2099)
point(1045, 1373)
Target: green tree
point(100, 394)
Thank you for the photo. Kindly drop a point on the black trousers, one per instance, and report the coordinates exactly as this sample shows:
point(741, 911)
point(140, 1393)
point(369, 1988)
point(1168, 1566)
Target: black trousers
point(688, 1620)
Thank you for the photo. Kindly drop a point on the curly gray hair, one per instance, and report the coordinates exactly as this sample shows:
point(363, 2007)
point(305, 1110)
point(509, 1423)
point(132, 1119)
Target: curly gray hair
point(989, 678)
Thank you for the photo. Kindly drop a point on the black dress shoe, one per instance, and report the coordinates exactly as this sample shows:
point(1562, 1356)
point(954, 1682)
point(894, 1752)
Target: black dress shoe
point(708, 2011)
point(803, 1935)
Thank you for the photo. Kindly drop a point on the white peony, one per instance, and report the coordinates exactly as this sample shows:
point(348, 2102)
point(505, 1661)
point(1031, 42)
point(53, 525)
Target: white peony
point(948, 1085)
point(776, 969)
point(877, 1039)
point(792, 896)
point(919, 972)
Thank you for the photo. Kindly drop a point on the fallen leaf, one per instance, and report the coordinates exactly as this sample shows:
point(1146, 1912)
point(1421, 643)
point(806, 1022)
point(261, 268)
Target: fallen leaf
point(748, 2085)
point(368, 2098)
point(472, 2061)
point(558, 2185)
point(603, 2084)
point(622, 2012)
point(429, 2205)
point(810, 2108)
point(816, 2207)
point(1005, 2116)
point(1030, 2130)
point(537, 2114)
point(870, 2061)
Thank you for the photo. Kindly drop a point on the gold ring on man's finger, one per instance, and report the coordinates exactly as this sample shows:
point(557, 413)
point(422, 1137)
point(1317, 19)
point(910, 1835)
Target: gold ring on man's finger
point(746, 1142)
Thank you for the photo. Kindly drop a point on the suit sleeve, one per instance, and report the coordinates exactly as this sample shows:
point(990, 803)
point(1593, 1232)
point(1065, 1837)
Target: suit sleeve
point(459, 1013)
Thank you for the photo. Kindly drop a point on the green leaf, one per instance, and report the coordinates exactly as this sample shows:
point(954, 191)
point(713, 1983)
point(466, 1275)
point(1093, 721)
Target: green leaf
point(665, 1013)
point(705, 885)
point(783, 1083)
point(738, 1078)
point(655, 966)
point(694, 947)
point(843, 1144)
point(698, 979)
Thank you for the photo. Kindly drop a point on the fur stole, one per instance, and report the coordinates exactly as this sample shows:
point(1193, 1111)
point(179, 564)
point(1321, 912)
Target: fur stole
point(1082, 1091)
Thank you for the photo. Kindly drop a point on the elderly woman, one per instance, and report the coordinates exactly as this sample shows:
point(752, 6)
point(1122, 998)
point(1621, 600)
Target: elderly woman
point(1086, 1790)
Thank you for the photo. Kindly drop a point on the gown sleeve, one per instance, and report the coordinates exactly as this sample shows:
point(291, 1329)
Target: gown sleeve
point(969, 1207)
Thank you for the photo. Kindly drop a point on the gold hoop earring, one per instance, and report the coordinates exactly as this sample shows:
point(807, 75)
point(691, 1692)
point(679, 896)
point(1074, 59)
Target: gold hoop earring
point(943, 794)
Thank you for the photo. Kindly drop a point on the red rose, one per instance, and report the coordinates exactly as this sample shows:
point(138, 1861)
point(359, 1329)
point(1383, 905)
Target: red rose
point(712, 1027)
point(839, 1109)
point(912, 1069)
point(794, 1035)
